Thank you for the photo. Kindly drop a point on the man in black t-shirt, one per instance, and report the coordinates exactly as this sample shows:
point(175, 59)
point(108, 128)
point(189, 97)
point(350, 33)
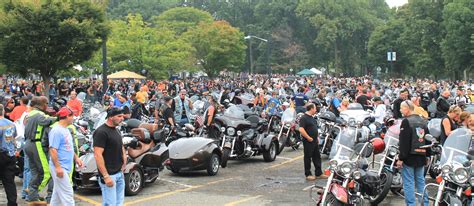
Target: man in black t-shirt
point(110, 156)
point(167, 111)
point(309, 131)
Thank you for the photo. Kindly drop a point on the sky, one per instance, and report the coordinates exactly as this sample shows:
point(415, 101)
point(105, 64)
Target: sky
point(393, 3)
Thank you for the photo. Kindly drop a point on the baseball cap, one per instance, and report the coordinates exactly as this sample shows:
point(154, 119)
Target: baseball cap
point(64, 112)
point(114, 111)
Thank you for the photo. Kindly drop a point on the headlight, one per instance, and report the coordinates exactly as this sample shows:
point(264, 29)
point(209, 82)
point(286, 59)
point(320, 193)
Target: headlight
point(230, 131)
point(446, 169)
point(239, 133)
point(222, 129)
point(392, 151)
point(357, 175)
point(346, 168)
point(333, 164)
point(460, 175)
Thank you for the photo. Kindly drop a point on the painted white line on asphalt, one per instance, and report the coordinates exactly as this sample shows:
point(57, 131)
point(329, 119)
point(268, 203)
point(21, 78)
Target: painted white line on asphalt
point(285, 158)
point(174, 182)
point(308, 188)
point(242, 201)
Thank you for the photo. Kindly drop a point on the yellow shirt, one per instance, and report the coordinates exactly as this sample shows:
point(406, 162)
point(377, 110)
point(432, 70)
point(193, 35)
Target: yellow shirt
point(142, 96)
point(420, 111)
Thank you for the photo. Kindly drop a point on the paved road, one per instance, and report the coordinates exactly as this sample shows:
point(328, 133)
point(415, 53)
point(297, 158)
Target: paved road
point(243, 182)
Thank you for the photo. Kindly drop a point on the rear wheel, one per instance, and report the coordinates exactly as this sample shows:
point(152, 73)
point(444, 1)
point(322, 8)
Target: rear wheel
point(133, 181)
point(270, 154)
point(225, 157)
point(213, 165)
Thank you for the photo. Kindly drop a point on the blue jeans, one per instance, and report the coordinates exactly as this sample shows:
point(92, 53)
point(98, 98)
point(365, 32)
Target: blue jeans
point(183, 121)
point(113, 196)
point(414, 176)
point(26, 177)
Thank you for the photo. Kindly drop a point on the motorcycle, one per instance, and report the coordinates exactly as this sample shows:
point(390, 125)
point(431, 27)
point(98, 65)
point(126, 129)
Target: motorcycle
point(245, 137)
point(433, 167)
point(146, 155)
point(328, 129)
point(453, 186)
point(349, 182)
point(356, 111)
point(288, 135)
point(389, 174)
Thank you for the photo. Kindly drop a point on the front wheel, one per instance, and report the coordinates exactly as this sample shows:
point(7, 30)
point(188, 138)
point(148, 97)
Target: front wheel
point(213, 165)
point(133, 182)
point(270, 154)
point(386, 183)
point(225, 157)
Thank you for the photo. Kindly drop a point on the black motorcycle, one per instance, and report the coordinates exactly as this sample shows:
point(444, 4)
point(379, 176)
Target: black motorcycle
point(245, 137)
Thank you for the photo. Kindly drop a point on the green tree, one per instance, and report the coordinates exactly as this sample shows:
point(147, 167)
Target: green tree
point(457, 45)
point(218, 46)
point(146, 8)
point(46, 37)
point(181, 19)
point(342, 30)
point(135, 45)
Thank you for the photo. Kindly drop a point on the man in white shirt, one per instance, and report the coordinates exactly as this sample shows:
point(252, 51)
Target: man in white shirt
point(380, 110)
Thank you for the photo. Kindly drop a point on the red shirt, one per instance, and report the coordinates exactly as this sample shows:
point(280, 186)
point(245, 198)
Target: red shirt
point(76, 106)
point(17, 112)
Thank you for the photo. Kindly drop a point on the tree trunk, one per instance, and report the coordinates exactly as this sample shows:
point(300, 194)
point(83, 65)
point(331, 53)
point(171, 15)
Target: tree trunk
point(47, 81)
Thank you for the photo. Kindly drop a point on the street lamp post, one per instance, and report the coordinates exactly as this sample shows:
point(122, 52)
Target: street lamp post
point(250, 49)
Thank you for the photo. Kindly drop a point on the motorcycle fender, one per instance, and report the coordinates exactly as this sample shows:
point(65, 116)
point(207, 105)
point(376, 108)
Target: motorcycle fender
point(129, 166)
point(266, 141)
point(340, 193)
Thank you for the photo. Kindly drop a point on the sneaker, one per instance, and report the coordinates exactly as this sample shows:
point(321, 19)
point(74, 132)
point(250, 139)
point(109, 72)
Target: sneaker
point(310, 178)
point(322, 177)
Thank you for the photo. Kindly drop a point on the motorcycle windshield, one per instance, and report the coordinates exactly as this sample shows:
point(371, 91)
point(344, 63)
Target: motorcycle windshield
point(234, 112)
point(355, 106)
point(392, 136)
point(434, 127)
point(288, 116)
point(343, 146)
point(456, 147)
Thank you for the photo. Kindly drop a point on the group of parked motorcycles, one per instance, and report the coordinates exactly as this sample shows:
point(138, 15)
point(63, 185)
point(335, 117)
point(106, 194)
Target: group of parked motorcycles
point(241, 133)
point(363, 155)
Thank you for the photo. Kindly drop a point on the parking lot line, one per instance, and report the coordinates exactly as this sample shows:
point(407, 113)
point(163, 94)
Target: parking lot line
point(285, 158)
point(242, 201)
point(174, 182)
point(285, 162)
point(158, 196)
point(88, 200)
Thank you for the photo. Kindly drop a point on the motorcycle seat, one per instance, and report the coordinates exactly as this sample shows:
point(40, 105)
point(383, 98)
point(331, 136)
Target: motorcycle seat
point(254, 120)
point(150, 127)
point(141, 134)
point(141, 149)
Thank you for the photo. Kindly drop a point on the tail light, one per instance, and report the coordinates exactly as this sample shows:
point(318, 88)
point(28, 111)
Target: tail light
point(327, 172)
point(468, 192)
point(439, 179)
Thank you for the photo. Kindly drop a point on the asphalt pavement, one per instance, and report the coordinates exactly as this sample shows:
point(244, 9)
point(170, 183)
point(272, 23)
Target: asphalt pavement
point(244, 182)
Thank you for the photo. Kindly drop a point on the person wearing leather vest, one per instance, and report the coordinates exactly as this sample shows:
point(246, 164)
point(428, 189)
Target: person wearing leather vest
point(412, 158)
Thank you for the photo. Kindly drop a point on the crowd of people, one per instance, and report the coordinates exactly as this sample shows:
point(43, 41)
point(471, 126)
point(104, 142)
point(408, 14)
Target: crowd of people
point(24, 106)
